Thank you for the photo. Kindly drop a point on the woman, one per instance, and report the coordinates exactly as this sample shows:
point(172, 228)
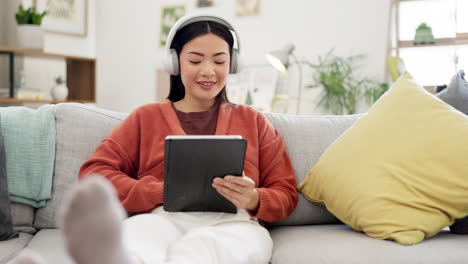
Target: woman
point(131, 158)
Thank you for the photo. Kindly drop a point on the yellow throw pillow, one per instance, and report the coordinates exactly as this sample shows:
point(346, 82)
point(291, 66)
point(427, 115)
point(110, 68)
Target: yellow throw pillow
point(401, 171)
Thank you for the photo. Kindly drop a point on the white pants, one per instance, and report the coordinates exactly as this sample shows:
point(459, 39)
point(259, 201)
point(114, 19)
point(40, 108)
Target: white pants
point(196, 237)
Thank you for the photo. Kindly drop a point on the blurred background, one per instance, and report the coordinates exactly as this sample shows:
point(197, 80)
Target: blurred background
point(337, 56)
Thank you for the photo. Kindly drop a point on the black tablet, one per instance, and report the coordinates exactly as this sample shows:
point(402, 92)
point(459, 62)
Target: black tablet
point(190, 165)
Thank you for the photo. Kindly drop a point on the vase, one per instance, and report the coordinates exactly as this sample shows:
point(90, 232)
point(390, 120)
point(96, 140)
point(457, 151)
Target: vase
point(59, 92)
point(30, 37)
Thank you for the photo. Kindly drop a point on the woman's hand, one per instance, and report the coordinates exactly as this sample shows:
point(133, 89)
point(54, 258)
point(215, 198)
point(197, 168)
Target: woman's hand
point(239, 190)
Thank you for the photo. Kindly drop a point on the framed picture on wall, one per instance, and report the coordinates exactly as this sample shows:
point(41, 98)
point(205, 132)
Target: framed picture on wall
point(247, 7)
point(67, 17)
point(208, 3)
point(169, 15)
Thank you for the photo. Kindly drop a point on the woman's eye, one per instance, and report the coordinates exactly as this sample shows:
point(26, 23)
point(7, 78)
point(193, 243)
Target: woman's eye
point(220, 62)
point(194, 62)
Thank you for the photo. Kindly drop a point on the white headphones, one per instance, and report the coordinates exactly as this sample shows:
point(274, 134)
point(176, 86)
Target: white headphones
point(171, 63)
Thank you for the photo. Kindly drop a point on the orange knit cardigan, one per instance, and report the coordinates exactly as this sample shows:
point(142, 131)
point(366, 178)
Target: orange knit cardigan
point(132, 158)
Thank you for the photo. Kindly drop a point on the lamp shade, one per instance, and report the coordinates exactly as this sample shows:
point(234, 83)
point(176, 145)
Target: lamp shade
point(280, 58)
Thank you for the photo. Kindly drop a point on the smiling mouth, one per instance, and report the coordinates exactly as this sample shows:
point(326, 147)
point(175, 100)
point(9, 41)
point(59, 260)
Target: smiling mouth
point(206, 85)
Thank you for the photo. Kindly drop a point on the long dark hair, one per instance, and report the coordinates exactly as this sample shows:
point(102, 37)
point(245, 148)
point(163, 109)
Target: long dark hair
point(186, 34)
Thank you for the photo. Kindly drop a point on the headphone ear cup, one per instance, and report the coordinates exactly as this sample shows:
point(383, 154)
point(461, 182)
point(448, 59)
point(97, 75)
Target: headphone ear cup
point(171, 65)
point(235, 62)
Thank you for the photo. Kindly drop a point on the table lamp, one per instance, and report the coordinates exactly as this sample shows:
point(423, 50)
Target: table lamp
point(280, 60)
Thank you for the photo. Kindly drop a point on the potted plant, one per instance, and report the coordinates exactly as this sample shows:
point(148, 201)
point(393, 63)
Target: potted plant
point(423, 35)
point(29, 33)
point(342, 89)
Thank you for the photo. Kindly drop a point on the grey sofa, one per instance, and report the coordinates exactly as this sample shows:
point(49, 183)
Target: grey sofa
point(310, 235)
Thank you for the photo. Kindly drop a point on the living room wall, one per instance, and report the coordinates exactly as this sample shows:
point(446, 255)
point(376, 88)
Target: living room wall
point(3, 18)
point(3, 60)
point(124, 35)
point(128, 53)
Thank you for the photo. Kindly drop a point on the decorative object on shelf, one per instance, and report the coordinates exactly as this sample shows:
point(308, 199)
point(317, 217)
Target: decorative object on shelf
point(280, 60)
point(342, 89)
point(207, 3)
point(20, 81)
point(66, 17)
point(423, 35)
point(29, 32)
point(247, 7)
point(169, 15)
point(60, 90)
point(29, 94)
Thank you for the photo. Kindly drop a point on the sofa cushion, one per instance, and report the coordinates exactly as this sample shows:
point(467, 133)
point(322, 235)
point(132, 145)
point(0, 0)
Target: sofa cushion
point(400, 172)
point(10, 248)
point(80, 128)
point(50, 245)
point(23, 216)
point(456, 93)
point(460, 226)
point(321, 244)
point(306, 138)
point(6, 222)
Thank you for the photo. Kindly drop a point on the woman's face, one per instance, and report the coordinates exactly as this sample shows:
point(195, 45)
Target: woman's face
point(204, 67)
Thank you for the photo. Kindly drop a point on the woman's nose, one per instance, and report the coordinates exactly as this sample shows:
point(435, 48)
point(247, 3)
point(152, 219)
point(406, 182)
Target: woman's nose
point(207, 69)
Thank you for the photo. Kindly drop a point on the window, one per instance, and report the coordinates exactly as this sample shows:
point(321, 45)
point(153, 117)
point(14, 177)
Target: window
point(462, 52)
point(462, 18)
point(431, 64)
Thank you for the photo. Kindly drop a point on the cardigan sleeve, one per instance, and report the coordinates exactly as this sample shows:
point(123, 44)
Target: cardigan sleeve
point(117, 159)
point(277, 186)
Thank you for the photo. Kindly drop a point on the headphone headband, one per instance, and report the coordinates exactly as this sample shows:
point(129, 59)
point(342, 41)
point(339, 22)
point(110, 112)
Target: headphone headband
point(171, 63)
point(186, 20)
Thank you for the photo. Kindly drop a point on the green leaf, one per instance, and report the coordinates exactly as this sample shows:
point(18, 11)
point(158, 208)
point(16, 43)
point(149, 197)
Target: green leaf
point(342, 89)
point(29, 16)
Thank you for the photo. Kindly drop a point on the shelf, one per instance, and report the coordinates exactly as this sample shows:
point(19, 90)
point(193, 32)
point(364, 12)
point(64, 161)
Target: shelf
point(40, 53)
point(438, 42)
point(81, 73)
point(7, 100)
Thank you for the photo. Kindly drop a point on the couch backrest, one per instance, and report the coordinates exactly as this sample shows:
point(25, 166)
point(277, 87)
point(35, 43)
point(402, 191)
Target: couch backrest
point(306, 138)
point(80, 129)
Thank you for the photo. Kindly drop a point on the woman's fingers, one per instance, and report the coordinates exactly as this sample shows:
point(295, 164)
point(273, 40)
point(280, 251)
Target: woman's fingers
point(236, 183)
point(239, 190)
